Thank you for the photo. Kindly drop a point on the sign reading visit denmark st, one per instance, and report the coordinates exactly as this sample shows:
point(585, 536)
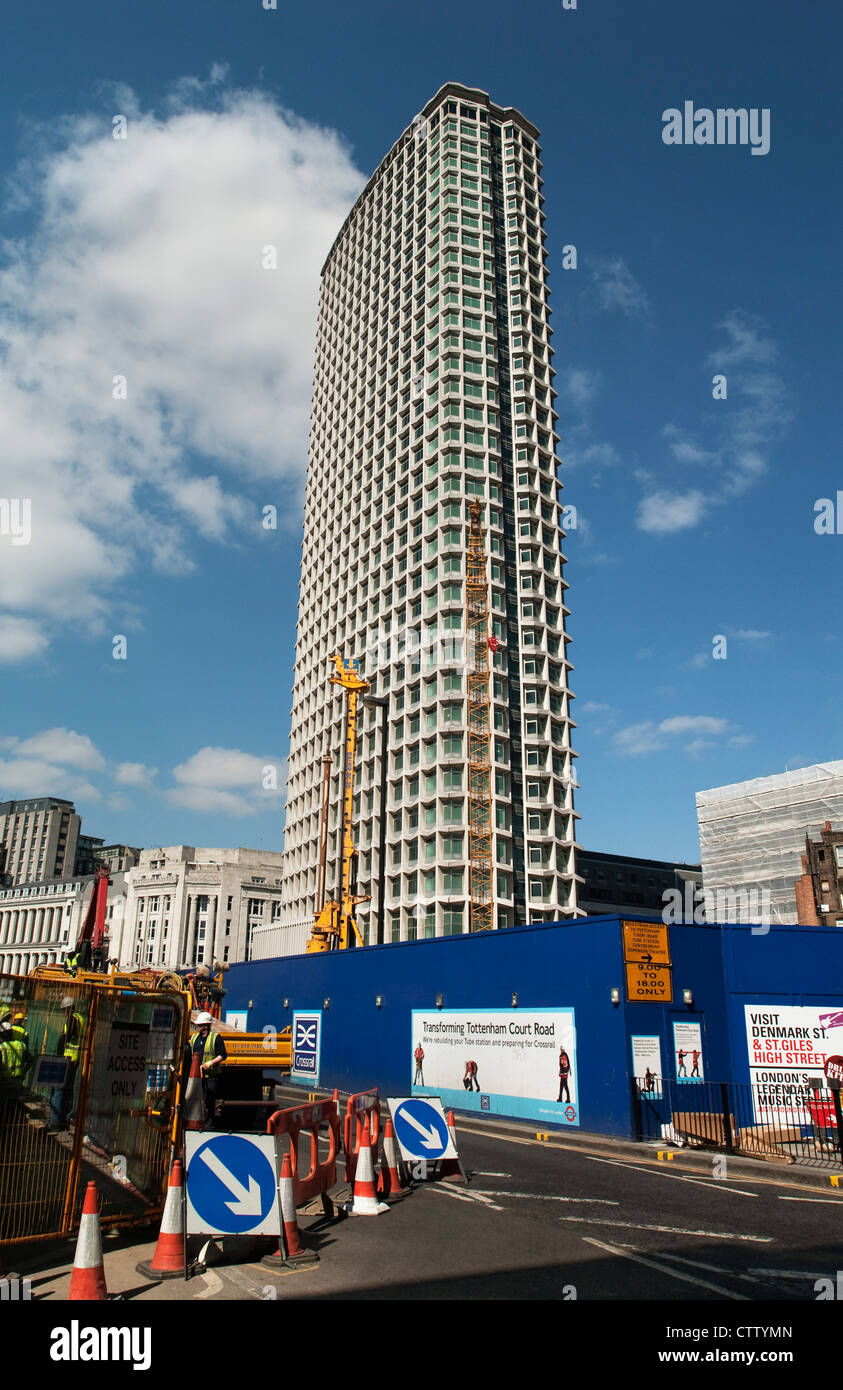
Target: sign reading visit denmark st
point(421, 1128)
point(232, 1184)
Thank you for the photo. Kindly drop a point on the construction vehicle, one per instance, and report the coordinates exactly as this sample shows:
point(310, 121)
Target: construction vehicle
point(335, 927)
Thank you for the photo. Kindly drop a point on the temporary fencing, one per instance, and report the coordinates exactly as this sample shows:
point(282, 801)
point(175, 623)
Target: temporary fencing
point(97, 1096)
point(363, 1107)
point(796, 1121)
point(308, 1119)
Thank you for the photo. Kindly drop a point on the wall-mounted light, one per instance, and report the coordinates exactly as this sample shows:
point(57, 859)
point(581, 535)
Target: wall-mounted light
point(439, 1001)
point(514, 1000)
point(250, 1004)
point(378, 1001)
point(286, 1003)
point(615, 995)
point(326, 1003)
point(688, 997)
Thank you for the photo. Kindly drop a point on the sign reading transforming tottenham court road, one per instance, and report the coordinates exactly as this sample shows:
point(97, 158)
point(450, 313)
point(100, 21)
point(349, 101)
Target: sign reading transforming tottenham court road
point(421, 1128)
point(307, 1046)
point(502, 1061)
point(232, 1184)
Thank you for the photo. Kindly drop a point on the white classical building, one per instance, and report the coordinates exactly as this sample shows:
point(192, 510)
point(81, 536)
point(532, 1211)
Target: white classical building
point(40, 922)
point(752, 838)
point(433, 388)
point(189, 906)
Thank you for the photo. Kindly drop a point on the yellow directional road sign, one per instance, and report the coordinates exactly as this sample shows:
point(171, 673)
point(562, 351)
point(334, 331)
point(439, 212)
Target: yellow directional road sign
point(652, 983)
point(647, 942)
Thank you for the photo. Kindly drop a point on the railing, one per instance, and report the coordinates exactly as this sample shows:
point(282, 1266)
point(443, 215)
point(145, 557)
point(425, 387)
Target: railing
point(742, 1118)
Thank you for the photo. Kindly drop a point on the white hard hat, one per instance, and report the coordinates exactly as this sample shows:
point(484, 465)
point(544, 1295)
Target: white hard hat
point(68, 1001)
point(203, 1018)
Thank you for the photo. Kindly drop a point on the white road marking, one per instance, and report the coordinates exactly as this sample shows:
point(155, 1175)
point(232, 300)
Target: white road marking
point(663, 1269)
point(669, 1230)
point(213, 1284)
point(827, 1201)
point(720, 1184)
point(481, 1173)
point(473, 1197)
point(789, 1273)
point(546, 1197)
point(712, 1269)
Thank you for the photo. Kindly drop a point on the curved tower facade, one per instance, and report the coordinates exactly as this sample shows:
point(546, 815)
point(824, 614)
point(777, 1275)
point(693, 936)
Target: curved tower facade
point(434, 389)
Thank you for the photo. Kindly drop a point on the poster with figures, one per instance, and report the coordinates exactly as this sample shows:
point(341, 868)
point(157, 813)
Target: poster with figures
point(501, 1061)
point(687, 1052)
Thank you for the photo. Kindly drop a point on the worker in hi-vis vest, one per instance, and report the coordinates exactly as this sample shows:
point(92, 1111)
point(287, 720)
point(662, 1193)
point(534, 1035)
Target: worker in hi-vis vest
point(210, 1048)
point(70, 1046)
point(14, 1051)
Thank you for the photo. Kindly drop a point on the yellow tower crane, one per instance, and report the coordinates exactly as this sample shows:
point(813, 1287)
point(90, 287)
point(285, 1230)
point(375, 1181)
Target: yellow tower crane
point(335, 924)
point(478, 643)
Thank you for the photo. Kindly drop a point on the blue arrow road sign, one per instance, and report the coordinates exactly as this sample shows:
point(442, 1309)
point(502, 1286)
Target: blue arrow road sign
point(232, 1185)
point(420, 1128)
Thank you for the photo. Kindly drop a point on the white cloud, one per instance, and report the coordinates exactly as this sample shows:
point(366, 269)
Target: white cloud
point(742, 428)
point(227, 780)
point(30, 777)
point(134, 775)
point(63, 746)
point(666, 512)
point(145, 261)
point(746, 342)
point(750, 634)
point(594, 706)
point(617, 289)
point(696, 723)
point(649, 737)
point(580, 385)
point(20, 639)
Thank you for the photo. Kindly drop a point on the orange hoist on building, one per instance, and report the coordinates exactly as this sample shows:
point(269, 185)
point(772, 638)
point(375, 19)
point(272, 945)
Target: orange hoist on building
point(335, 927)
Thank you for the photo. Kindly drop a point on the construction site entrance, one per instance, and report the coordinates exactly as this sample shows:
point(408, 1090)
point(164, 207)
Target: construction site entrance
point(89, 1089)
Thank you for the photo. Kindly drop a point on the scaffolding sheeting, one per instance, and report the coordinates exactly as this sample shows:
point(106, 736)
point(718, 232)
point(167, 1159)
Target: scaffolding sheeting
point(752, 834)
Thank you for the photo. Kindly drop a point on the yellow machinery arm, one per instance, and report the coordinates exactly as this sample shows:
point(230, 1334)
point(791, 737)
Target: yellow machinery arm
point(335, 922)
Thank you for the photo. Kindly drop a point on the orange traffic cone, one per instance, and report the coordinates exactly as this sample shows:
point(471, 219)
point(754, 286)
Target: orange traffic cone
point(295, 1253)
point(365, 1197)
point(390, 1184)
point(87, 1278)
point(194, 1101)
point(451, 1168)
point(168, 1262)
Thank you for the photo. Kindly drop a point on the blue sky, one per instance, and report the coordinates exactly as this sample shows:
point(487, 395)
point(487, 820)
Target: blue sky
point(141, 258)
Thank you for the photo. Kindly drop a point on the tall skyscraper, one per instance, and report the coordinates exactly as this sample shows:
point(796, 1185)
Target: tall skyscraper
point(434, 388)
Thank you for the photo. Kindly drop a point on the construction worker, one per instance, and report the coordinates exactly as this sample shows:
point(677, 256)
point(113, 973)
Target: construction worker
point(210, 1048)
point(15, 1059)
point(70, 1046)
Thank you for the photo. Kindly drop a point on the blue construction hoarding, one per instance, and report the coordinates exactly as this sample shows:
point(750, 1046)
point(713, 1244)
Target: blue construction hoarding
point(549, 1022)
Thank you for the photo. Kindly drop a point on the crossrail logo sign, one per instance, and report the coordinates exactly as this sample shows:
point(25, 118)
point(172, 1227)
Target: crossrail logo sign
point(307, 1043)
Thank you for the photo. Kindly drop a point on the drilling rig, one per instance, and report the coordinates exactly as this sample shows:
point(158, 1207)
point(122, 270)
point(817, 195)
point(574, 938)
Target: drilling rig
point(335, 927)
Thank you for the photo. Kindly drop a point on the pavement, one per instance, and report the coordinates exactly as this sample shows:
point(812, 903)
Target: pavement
point(567, 1217)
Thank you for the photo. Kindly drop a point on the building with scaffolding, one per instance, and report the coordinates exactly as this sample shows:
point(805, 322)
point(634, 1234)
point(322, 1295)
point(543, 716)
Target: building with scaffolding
point(752, 838)
point(433, 389)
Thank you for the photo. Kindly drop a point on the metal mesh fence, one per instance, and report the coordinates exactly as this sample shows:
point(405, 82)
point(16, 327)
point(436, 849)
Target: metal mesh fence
point(90, 1093)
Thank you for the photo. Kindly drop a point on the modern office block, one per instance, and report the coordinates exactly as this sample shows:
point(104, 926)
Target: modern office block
point(433, 388)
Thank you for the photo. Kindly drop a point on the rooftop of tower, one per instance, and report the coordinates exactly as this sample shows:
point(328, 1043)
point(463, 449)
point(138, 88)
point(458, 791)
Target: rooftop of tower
point(462, 93)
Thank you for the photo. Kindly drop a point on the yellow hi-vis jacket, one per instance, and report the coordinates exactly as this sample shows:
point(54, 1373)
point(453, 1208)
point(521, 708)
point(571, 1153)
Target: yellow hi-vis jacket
point(74, 1032)
point(209, 1050)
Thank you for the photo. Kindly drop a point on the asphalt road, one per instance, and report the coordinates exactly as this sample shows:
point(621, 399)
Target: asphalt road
point(574, 1218)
